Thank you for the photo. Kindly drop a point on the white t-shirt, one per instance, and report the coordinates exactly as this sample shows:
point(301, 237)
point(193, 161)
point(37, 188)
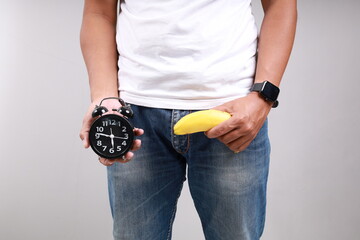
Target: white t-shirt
point(185, 54)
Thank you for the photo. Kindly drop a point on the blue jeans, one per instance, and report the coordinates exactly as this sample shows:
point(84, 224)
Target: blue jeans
point(228, 189)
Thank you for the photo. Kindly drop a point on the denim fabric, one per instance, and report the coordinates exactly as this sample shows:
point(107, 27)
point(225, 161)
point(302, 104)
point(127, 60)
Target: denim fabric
point(228, 189)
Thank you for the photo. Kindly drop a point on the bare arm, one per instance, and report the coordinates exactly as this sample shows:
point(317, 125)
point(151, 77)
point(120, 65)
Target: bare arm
point(98, 45)
point(275, 43)
point(276, 39)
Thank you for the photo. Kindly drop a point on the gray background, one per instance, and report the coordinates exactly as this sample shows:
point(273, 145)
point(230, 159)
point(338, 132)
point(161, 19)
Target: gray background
point(52, 188)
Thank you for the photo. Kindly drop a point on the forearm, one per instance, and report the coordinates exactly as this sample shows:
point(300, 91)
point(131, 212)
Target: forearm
point(276, 39)
point(98, 45)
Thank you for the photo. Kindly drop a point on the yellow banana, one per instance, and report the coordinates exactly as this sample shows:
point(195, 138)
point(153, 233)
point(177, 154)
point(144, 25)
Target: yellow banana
point(200, 121)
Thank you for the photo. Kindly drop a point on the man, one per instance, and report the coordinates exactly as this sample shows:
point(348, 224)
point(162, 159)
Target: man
point(176, 57)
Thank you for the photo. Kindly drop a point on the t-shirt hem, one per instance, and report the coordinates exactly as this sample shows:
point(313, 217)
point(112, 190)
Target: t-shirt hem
point(182, 104)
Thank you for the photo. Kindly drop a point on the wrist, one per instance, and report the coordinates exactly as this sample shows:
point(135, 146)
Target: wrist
point(267, 91)
point(259, 100)
point(96, 98)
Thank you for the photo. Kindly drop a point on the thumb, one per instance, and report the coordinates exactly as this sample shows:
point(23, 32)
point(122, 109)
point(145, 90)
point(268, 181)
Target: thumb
point(84, 133)
point(85, 141)
point(223, 108)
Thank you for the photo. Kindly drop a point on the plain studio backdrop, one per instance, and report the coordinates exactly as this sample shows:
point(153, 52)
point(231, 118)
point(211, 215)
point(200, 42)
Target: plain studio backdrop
point(52, 188)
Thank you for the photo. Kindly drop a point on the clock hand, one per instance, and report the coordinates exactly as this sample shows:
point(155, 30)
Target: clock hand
point(112, 138)
point(121, 137)
point(102, 134)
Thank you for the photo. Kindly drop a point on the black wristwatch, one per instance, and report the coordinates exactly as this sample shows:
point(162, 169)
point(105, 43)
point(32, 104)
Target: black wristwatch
point(268, 91)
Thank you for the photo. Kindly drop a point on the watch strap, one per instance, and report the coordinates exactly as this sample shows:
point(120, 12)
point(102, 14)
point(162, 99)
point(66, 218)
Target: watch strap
point(257, 87)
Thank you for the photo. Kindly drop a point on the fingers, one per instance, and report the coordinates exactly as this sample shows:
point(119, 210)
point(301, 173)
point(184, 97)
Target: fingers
point(138, 131)
point(240, 144)
point(231, 136)
point(236, 133)
point(124, 159)
point(222, 129)
point(106, 162)
point(237, 140)
point(136, 145)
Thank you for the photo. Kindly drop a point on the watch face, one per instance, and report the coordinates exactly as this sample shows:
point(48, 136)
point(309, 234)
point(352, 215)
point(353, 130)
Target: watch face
point(270, 91)
point(111, 136)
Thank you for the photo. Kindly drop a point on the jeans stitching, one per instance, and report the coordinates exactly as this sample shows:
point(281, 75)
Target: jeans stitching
point(173, 213)
point(171, 128)
point(173, 135)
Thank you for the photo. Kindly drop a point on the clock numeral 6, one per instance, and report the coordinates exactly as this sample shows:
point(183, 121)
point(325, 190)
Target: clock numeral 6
point(111, 150)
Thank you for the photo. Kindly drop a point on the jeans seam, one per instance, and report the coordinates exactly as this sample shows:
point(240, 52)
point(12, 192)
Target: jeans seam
point(171, 129)
point(173, 137)
point(173, 213)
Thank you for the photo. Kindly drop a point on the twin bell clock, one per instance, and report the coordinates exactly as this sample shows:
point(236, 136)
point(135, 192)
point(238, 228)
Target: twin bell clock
point(111, 135)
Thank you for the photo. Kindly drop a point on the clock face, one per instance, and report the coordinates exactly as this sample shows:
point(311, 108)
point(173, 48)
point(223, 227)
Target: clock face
point(111, 136)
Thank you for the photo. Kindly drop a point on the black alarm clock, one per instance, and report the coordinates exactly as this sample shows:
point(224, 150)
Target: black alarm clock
point(111, 135)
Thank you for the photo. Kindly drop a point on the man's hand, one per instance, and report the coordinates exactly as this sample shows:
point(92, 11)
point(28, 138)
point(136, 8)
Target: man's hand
point(88, 120)
point(248, 115)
